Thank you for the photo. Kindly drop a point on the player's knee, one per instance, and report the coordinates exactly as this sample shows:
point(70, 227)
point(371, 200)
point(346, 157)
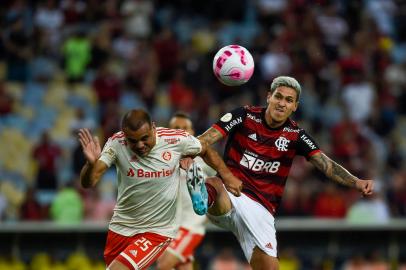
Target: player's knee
point(164, 264)
point(116, 265)
point(216, 183)
point(261, 261)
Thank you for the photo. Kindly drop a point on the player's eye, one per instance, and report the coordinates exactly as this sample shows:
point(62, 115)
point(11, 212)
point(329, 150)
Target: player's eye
point(131, 140)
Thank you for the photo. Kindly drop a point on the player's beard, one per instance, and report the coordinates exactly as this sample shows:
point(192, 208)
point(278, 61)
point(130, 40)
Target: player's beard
point(143, 151)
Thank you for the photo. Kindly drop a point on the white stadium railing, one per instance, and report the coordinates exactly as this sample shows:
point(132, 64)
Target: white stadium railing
point(282, 224)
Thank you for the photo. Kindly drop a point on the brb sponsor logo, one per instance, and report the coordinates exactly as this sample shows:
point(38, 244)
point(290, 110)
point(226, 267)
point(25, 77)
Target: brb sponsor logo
point(251, 161)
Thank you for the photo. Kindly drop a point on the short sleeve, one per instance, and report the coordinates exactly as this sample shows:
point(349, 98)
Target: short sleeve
point(307, 146)
point(109, 152)
point(191, 146)
point(230, 121)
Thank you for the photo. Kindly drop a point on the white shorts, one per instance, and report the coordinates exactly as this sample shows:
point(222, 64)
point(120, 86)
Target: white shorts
point(252, 224)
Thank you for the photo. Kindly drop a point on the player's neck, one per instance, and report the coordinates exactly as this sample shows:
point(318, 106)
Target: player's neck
point(274, 124)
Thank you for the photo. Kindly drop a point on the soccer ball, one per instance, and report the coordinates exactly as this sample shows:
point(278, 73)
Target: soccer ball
point(233, 65)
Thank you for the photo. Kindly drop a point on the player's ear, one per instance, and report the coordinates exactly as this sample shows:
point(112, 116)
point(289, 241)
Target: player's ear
point(268, 97)
point(296, 106)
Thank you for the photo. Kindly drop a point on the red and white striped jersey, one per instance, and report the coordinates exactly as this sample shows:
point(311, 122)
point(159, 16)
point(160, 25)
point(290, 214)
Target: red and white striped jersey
point(148, 187)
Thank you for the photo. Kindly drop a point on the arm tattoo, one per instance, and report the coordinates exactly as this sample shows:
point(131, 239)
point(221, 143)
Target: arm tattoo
point(211, 136)
point(333, 170)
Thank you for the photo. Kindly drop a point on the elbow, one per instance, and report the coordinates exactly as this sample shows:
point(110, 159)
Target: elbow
point(88, 183)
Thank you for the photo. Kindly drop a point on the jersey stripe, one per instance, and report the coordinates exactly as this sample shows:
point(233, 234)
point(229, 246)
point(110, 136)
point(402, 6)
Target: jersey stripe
point(220, 130)
point(117, 135)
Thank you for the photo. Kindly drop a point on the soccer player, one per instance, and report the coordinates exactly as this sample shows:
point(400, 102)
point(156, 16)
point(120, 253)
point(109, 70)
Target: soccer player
point(147, 159)
point(179, 254)
point(261, 145)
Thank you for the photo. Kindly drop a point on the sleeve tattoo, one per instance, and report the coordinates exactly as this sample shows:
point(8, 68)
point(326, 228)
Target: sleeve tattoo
point(211, 136)
point(333, 170)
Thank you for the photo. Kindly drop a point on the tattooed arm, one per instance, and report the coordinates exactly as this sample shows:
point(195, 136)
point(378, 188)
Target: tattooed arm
point(340, 175)
point(211, 136)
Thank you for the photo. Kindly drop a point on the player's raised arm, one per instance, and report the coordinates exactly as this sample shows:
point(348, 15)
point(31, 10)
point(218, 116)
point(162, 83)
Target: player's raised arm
point(210, 136)
point(213, 159)
point(340, 175)
point(94, 168)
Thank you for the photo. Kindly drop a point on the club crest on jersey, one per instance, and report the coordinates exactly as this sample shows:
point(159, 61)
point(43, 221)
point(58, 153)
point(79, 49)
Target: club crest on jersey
point(166, 155)
point(282, 144)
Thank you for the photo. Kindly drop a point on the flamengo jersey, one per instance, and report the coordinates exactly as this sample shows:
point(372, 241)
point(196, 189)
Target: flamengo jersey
point(189, 219)
point(261, 156)
point(148, 187)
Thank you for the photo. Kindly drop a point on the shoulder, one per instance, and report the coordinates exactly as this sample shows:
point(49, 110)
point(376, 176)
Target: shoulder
point(168, 136)
point(253, 109)
point(170, 133)
point(117, 138)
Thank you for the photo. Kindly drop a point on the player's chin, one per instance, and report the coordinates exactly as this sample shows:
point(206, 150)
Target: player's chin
point(143, 153)
point(279, 117)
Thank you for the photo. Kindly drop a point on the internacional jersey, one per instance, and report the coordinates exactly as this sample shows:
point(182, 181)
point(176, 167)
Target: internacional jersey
point(261, 156)
point(148, 187)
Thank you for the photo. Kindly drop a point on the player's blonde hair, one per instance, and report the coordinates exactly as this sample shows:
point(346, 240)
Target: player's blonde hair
point(287, 82)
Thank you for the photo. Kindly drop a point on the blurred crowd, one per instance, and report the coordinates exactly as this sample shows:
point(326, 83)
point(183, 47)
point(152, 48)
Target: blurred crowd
point(71, 64)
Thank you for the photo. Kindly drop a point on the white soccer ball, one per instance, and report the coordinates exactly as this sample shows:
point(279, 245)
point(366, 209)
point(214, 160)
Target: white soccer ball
point(233, 65)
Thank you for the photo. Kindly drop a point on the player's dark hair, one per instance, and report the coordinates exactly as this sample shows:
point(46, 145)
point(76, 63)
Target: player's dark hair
point(287, 82)
point(135, 119)
point(181, 114)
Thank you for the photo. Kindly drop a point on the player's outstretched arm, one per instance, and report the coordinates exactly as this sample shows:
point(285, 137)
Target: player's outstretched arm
point(211, 136)
point(213, 159)
point(340, 175)
point(94, 168)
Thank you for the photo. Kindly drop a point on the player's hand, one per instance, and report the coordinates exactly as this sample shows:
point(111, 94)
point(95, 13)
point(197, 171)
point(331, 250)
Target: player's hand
point(366, 187)
point(233, 184)
point(185, 163)
point(90, 145)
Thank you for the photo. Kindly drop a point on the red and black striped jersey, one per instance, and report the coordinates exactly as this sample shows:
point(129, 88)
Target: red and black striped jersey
point(261, 156)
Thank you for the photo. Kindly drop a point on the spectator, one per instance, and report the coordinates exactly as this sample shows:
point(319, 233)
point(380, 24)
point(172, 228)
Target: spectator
point(137, 15)
point(49, 19)
point(67, 207)
point(167, 50)
point(358, 98)
point(77, 55)
point(107, 87)
point(46, 153)
point(330, 203)
point(6, 100)
point(31, 209)
point(18, 51)
point(226, 260)
point(369, 210)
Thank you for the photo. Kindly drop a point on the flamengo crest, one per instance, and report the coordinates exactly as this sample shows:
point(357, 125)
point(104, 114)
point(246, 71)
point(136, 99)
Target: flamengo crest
point(282, 144)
